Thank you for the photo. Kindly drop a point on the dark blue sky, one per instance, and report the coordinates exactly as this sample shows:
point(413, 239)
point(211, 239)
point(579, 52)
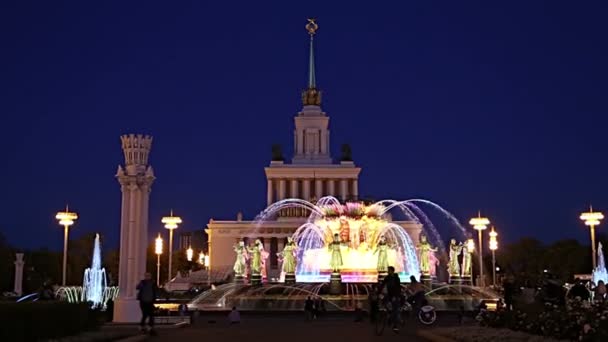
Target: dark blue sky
point(470, 105)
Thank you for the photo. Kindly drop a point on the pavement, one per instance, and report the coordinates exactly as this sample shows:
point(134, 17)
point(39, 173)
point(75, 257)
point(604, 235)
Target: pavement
point(291, 328)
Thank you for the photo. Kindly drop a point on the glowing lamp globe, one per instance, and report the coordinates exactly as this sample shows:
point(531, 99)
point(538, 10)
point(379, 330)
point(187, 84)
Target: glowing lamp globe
point(189, 253)
point(479, 223)
point(171, 222)
point(470, 245)
point(201, 258)
point(158, 245)
point(66, 218)
point(592, 218)
point(493, 240)
point(206, 261)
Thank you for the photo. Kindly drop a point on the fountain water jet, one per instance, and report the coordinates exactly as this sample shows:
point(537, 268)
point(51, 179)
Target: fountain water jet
point(94, 282)
point(600, 273)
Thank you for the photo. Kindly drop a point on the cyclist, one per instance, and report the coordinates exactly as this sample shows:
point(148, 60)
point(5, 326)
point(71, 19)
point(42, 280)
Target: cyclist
point(416, 298)
point(393, 290)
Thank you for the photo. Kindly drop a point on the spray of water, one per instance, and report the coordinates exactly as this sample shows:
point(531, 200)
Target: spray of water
point(94, 282)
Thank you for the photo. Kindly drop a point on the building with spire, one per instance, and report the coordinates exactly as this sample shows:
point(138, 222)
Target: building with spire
point(311, 174)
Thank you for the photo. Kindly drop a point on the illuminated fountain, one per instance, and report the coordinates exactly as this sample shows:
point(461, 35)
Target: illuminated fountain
point(367, 241)
point(600, 273)
point(94, 281)
point(360, 228)
point(94, 288)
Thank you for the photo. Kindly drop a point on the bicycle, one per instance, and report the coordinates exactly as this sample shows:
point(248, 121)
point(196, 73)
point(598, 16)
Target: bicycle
point(384, 316)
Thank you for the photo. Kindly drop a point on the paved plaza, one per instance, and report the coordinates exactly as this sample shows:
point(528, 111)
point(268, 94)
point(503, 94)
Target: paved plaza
point(291, 328)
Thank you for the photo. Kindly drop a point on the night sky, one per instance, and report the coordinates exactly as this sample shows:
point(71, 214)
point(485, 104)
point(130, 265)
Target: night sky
point(474, 106)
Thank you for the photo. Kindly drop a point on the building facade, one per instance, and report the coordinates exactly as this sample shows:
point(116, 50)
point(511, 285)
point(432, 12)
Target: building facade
point(312, 174)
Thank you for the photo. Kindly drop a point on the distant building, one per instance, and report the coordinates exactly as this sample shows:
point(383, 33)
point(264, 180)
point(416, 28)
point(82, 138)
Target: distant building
point(196, 239)
point(312, 174)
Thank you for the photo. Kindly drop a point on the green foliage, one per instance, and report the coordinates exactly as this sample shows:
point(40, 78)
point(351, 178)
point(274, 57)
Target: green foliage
point(527, 258)
point(7, 256)
point(578, 321)
point(45, 320)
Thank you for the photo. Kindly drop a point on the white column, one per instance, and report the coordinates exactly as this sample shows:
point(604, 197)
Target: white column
point(319, 188)
point(281, 189)
point(343, 189)
point(18, 289)
point(267, 246)
point(280, 244)
point(269, 191)
point(331, 187)
point(355, 190)
point(131, 245)
point(306, 189)
point(294, 193)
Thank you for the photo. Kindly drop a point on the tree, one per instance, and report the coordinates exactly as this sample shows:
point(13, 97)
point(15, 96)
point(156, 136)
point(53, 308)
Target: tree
point(524, 259)
point(566, 258)
point(7, 257)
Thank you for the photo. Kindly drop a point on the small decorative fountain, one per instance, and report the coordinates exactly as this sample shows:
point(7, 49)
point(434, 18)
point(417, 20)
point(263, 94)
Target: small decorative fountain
point(94, 287)
point(600, 273)
point(94, 282)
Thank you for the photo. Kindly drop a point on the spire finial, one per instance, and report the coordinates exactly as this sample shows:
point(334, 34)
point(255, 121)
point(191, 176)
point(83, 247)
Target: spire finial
point(311, 96)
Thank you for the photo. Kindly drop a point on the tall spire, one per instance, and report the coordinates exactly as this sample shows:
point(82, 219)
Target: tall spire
point(311, 28)
point(311, 96)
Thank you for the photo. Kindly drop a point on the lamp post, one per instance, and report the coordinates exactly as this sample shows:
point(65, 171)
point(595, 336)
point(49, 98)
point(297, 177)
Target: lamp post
point(201, 258)
point(480, 224)
point(493, 248)
point(158, 250)
point(592, 219)
point(189, 253)
point(66, 219)
point(171, 223)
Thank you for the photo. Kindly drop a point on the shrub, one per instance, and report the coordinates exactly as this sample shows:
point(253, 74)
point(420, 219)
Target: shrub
point(45, 320)
point(578, 320)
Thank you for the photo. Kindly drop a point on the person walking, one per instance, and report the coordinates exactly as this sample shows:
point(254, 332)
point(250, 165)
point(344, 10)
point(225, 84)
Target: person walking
point(393, 289)
point(147, 291)
point(308, 308)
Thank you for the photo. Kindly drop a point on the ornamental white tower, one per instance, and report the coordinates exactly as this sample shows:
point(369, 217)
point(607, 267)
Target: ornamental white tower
point(135, 178)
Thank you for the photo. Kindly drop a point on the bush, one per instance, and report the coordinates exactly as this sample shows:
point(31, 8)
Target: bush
point(578, 320)
point(45, 320)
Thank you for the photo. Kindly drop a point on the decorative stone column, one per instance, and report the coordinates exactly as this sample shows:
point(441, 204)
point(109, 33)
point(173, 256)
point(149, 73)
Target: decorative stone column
point(319, 189)
point(331, 187)
point(293, 191)
point(269, 191)
point(135, 180)
point(306, 189)
point(343, 189)
point(281, 189)
point(18, 289)
point(355, 190)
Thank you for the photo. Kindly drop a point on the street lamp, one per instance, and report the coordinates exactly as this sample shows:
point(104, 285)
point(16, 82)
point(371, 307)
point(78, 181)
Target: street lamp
point(66, 219)
point(493, 248)
point(189, 253)
point(201, 258)
point(171, 223)
point(158, 250)
point(470, 245)
point(480, 224)
point(592, 219)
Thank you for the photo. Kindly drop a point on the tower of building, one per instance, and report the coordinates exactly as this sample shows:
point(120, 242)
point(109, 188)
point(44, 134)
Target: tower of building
point(312, 173)
point(135, 178)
